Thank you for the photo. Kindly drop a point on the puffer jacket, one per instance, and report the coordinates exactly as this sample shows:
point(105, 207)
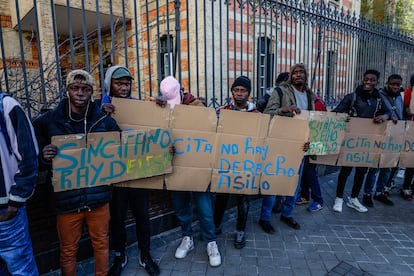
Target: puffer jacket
point(58, 122)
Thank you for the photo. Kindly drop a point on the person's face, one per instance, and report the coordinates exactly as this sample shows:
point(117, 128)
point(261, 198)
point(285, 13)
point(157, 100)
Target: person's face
point(369, 83)
point(240, 94)
point(298, 77)
point(121, 88)
point(79, 95)
point(394, 86)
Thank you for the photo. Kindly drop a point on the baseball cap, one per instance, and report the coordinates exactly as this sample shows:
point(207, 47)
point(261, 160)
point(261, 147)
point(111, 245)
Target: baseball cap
point(121, 72)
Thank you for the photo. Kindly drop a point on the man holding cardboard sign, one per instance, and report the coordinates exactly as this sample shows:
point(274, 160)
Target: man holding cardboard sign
point(118, 84)
point(407, 189)
point(364, 102)
point(295, 96)
point(182, 200)
point(77, 114)
point(391, 97)
point(240, 91)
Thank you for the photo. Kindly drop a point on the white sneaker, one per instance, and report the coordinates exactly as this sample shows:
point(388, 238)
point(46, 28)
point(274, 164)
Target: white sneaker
point(355, 204)
point(186, 246)
point(213, 254)
point(338, 204)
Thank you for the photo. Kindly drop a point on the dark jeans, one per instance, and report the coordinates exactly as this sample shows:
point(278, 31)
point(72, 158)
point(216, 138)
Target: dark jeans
point(243, 205)
point(358, 180)
point(408, 178)
point(372, 176)
point(137, 200)
point(310, 180)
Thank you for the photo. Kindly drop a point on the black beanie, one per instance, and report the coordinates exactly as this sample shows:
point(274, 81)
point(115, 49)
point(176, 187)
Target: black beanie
point(242, 81)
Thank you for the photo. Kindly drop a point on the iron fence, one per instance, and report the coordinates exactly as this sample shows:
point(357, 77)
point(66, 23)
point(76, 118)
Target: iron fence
point(204, 44)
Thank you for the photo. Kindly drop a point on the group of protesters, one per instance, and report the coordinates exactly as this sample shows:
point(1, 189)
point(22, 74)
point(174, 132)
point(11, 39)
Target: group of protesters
point(26, 149)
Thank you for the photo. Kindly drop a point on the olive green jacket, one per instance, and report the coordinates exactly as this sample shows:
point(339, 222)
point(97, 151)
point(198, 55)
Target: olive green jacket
point(275, 104)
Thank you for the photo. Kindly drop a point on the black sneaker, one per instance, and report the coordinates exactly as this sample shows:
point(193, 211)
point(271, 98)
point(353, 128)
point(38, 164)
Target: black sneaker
point(266, 226)
point(240, 240)
point(150, 266)
point(290, 222)
point(367, 200)
point(384, 199)
point(120, 263)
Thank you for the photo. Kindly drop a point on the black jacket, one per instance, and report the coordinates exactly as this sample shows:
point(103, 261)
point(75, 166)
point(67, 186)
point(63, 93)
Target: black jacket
point(362, 104)
point(58, 122)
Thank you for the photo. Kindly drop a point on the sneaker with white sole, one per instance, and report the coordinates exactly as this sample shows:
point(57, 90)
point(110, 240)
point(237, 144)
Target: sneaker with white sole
point(213, 254)
point(186, 246)
point(354, 203)
point(338, 204)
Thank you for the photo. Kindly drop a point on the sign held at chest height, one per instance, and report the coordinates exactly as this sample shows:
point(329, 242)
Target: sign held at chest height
point(110, 157)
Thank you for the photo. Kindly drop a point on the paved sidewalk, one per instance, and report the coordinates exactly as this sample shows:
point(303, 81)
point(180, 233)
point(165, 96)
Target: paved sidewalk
point(380, 242)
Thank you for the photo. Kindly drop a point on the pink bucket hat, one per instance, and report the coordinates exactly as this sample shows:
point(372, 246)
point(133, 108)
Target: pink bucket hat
point(170, 89)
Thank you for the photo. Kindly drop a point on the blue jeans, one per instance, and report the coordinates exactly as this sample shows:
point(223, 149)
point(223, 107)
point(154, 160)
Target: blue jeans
point(288, 204)
point(370, 180)
point(310, 180)
point(383, 178)
point(184, 212)
point(16, 245)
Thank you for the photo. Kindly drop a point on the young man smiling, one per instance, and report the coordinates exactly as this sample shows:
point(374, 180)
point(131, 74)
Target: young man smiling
point(364, 102)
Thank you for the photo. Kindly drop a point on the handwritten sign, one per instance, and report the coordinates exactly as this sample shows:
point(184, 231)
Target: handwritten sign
point(110, 157)
point(194, 132)
point(241, 152)
point(327, 131)
point(407, 151)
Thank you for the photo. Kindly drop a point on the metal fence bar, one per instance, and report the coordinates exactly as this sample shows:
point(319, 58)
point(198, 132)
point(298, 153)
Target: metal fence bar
point(224, 39)
point(69, 15)
point(136, 49)
point(39, 57)
point(23, 62)
point(85, 37)
point(3, 59)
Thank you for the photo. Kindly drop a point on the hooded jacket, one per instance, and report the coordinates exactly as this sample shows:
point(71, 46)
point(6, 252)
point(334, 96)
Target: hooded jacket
point(19, 165)
point(106, 96)
point(57, 122)
point(394, 103)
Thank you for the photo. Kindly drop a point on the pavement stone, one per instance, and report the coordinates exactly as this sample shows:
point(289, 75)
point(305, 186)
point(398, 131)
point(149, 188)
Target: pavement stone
point(379, 242)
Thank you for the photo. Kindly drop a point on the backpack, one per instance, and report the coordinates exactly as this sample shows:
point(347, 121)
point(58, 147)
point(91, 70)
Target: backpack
point(3, 126)
point(262, 102)
point(352, 110)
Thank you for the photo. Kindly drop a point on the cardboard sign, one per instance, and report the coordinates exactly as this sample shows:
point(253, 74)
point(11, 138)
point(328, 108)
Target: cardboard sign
point(407, 151)
point(194, 132)
point(326, 132)
point(359, 145)
point(240, 152)
point(106, 157)
point(281, 166)
point(391, 144)
point(141, 115)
